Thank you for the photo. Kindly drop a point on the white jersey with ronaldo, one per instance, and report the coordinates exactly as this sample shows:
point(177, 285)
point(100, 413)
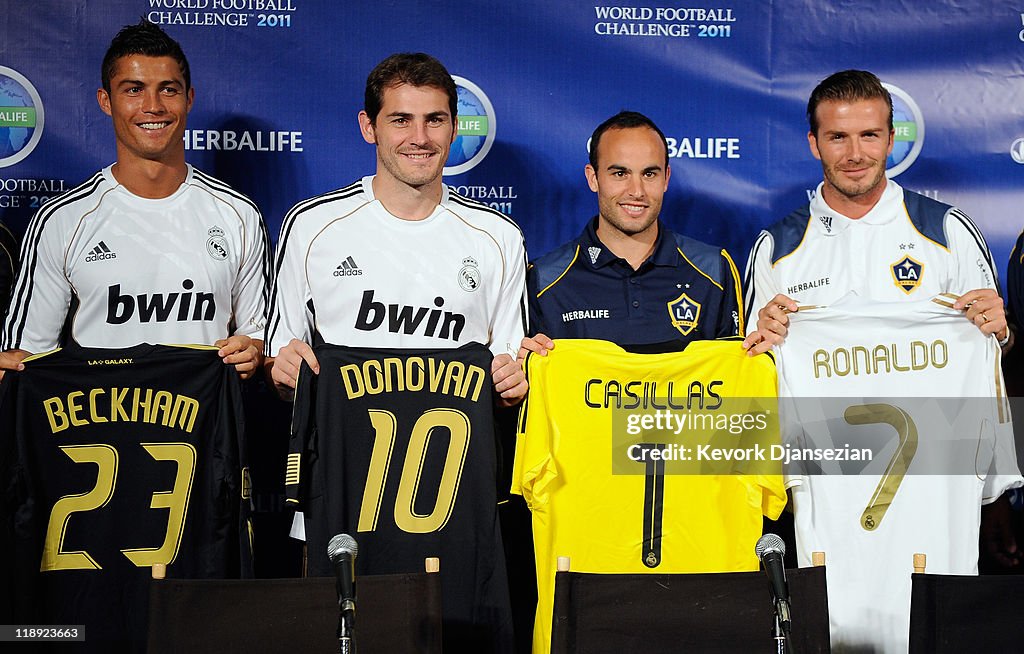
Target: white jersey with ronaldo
point(102, 267)
point(356, 275)
point(907, 247)
point(919, 387)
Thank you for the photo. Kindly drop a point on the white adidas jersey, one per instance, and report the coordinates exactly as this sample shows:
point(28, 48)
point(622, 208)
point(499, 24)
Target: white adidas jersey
point(359, 276)
point(117, 270)
point(892, 378)
point(817, 255)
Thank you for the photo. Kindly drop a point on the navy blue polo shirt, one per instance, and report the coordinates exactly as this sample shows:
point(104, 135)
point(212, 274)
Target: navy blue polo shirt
point(684, 291)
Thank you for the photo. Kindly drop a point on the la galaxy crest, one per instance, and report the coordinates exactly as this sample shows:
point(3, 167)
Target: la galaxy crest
point(684, 312)
point(906, 274)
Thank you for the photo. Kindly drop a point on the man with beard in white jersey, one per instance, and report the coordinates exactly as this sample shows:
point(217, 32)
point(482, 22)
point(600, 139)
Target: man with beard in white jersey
point(864, 234)
point(148, 250)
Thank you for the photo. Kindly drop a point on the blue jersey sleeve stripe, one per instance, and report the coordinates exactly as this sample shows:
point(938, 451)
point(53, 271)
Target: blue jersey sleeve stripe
point(695, 267)
point(575, 256)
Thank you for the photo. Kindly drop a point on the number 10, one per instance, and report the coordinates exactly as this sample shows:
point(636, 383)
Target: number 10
point(385, 428)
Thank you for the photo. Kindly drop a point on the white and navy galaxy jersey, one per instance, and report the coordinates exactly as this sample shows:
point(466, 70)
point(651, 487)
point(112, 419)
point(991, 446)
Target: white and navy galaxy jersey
point(359, 276)
point(907, 247)
point(102, 267)
point(113, 461)
point(919, 387)
point(397, 448)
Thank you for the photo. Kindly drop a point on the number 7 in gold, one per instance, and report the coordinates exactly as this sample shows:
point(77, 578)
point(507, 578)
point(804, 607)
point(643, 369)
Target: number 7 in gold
point(896, 470)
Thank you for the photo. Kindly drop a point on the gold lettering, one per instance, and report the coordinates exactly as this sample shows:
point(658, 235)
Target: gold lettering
point(94, 415)
point(841, 368)
point(414, 374)
point(475, 376)
point(896, 360)
point(918, 355)
point(161, 404)
point(821, 361)
point(393, 371)
point(436, 373)
point(55, 414)
point(74, 407)
point(184, 412)
point(940, 352)
point(373, 376)
point(881, 355)
point(453, 378)
point(353, 381)
point(116, 401)
point(863, 351)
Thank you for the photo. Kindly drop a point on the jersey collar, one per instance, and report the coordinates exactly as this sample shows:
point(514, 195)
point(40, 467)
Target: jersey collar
point(597, 255)
point(108, 175)
point(829, 222)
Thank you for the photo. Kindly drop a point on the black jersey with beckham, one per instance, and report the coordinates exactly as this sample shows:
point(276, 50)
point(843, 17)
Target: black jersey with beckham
point(397, 448)
point(112, 461)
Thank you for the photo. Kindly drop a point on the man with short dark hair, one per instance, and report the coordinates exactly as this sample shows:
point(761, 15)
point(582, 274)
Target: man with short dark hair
point(869, 272)
point(407, 223)
point(397, 265)
point(149, 252)
point(859, 225)
point(627, 278)
point(149, 249)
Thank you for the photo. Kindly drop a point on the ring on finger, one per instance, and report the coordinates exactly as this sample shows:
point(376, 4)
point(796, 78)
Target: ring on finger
point(984, 318)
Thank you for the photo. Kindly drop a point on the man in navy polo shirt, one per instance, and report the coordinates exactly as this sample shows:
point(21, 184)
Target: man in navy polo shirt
point(629, 279)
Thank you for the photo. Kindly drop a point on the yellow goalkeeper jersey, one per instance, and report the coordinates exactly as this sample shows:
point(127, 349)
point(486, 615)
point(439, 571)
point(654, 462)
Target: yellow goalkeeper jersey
point(654, 463)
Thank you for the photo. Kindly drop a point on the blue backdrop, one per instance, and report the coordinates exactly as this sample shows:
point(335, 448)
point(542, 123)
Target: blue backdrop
point(279, 83)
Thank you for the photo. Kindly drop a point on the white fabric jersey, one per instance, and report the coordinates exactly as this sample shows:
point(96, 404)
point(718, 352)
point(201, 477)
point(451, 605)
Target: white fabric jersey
point(117, 270)
point(896, 373)
point(359, 276)
point(818, 258)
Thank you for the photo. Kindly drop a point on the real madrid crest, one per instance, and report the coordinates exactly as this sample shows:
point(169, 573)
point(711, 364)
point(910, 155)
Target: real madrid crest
point(906, 273)
point(217, 245)
point(684, 312)
point(469, 275)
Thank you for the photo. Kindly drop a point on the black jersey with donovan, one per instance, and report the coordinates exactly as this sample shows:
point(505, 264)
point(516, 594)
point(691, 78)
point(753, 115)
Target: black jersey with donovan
point(114, 460)
point(397, 448)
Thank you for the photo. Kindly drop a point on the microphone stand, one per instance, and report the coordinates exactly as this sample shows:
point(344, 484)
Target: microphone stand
point(780, 631)
point(780, 637)
point(346, 637)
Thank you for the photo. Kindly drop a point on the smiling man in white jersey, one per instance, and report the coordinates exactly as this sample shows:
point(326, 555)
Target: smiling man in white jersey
point(396, 265)
point(862, 232)
point(149, 249)
point(864, 235)
point(397, 259)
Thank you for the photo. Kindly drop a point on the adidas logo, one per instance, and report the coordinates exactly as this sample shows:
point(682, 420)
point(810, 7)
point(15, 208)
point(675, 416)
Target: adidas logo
point(826, 221)
point(100, 252)
point(348, 268)
point(594, 252)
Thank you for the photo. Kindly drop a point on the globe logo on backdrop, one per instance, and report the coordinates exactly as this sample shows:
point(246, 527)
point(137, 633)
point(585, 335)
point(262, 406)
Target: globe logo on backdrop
point(21, 117)
point(476, 128)
point(908, 122)
point(1017, 150)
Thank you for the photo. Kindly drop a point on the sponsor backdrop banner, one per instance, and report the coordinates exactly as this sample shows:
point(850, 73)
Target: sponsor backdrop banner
point(279, 83)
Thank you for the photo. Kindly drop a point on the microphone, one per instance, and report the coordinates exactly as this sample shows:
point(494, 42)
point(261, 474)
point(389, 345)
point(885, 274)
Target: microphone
point(770, 550)
point(342, 552)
